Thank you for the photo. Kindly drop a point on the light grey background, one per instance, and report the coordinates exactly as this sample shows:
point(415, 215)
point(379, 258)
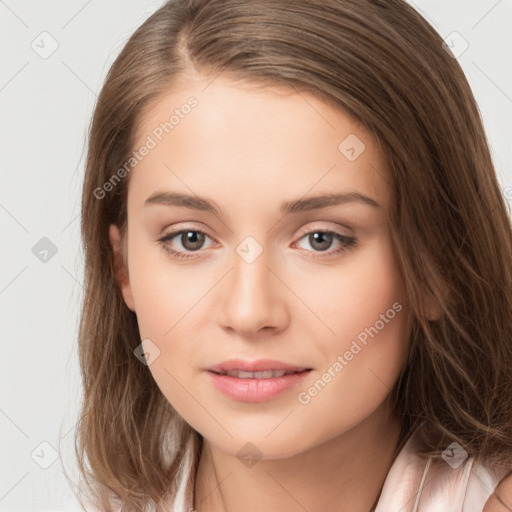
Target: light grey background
point(46, 103)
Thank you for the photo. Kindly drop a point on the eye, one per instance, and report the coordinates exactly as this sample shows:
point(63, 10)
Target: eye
point(190, 239)
point(322, 240)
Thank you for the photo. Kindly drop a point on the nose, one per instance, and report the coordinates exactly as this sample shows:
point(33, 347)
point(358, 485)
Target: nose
point(253, 298)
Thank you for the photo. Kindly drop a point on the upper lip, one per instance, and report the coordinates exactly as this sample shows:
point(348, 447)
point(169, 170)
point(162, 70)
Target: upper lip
point(256, 366)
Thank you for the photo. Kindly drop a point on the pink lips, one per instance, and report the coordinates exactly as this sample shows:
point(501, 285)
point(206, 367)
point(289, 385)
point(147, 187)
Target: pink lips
point(253, 389)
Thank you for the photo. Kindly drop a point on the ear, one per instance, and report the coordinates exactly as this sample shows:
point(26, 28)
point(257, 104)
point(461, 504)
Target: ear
point(432, 308)
point(120, 266)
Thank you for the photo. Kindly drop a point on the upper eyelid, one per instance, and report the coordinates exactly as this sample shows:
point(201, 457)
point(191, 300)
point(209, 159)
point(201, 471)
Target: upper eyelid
point(175, 233)
point(317, 227)
point(302, 231)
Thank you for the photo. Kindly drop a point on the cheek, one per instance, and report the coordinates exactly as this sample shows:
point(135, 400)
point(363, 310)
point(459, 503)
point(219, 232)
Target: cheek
point(170, 301)
point(365, 304)
point(371, 323)
point(163, 292)
point(367, 288)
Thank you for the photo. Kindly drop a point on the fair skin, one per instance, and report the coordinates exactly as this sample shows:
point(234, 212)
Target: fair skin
point(501, 499)
point(249, 151)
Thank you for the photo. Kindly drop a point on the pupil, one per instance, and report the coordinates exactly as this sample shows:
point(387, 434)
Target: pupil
point(193, 240)
point(323, 238)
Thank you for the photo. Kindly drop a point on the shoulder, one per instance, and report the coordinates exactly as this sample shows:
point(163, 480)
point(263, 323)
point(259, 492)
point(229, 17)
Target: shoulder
point(501, 499)
point(467, 487)
point(446, 484)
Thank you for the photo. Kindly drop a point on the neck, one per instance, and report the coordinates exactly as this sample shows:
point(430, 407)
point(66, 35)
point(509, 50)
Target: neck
point(344, 473)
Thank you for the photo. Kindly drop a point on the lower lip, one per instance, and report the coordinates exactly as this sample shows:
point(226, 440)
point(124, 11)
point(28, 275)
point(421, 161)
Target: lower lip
point(255, 390)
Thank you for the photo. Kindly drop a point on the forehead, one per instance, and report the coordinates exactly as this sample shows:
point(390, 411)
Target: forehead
point(250, 141)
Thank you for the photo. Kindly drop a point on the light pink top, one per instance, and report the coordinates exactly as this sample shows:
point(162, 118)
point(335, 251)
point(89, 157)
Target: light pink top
point(413, 484)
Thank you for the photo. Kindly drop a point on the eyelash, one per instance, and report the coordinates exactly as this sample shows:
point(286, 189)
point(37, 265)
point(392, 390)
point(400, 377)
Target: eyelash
point(347, 242)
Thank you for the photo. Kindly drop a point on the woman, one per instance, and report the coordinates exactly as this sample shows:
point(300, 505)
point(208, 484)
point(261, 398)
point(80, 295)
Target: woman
point(231, 363)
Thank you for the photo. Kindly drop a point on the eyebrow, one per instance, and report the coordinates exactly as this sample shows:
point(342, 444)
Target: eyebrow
point(296, 206)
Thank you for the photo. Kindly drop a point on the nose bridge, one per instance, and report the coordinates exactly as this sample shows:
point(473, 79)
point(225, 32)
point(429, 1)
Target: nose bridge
point(252, 299)
point(251, 271)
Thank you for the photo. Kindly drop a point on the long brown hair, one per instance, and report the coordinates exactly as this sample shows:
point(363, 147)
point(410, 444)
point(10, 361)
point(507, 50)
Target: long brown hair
point(380, 62)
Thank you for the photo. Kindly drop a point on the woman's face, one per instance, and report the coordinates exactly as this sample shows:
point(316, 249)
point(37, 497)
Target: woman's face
point(271, 268)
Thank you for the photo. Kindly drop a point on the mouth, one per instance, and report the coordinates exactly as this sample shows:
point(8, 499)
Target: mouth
point(256, 386)
point(259, 366)
point(266, 374)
